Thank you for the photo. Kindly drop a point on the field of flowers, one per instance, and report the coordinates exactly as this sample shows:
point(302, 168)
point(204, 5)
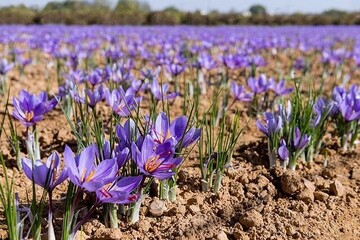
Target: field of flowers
point(179, 132)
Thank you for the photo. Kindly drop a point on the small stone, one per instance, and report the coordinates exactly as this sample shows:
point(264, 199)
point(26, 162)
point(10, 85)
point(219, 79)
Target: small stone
point(355, 174)
point(244, 178)
point(301, 207)
point(194, 209)
point(309, 185)
point(306, 195)
point(337, 188)
point(251, 218)
point(222, 236)
point(252, 187)
point(108, 234)
point(290, 230)
point(271, 189)
point(328, 173)
point(291, 182)
point(157, 208)
point(181, 209)
point(237, 191)
point(262, 181)
point(321, 196)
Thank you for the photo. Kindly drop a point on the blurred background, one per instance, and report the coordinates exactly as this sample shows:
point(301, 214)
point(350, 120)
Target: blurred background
point(187, 12)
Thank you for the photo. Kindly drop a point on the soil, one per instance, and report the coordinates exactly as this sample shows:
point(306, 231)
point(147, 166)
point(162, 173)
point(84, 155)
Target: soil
point(314, 202)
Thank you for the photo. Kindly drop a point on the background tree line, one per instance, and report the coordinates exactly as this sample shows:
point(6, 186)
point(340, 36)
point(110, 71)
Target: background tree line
point(133, 12)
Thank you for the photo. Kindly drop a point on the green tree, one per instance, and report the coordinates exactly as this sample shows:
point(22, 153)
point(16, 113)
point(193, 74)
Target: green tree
point(257, 10)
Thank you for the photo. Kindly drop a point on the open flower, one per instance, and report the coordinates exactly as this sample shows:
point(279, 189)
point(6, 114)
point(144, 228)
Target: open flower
point(273, 124)
point(161, 92)
point(164, 130)
point(280, 88)
point(84, 172)
point(47, 175)
point(120, 192)
point(259, 85)
point(122, 102)
point(30, 109)
point(240, 94)
point(91, 98)
point(155, 160)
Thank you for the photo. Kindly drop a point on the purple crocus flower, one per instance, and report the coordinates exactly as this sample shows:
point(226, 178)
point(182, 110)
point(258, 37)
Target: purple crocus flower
point(205, 61)
point(259, 85)
point(240, 94)
point(350, 105)
point(30, 109)
point(83, 171)
point(285, 111)
point(161, 92)
point(91, 98)
point(47, 175)
point(5, 66)
point(23, 62)
point(299, 64)
point(175, 68)
point(95, 77)
point(283, 151)
point(279, 88)
point(122, 102)
point(339, 94)
point(127, 134)
point(273, 124)
point(120, 192)
point(164, 130)
point(155, 160)
point(300, 141)
point(77, 76)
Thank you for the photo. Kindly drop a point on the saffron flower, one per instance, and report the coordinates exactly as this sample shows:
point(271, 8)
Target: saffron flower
point(164, 130)
point(273, 124)
point(122, 102)
point(300, 141)
point(5, 66)
point(91, 98)
point(259, 85)
point(240, 94)
point(350, 106)
point(161, 92)
point(120, 192)
point(175, 68)
point(127, 134)
point(47, 175)
point(283, 151)
point(155, 160)
point(83, 171)
point(279, 88)
point(30, 109)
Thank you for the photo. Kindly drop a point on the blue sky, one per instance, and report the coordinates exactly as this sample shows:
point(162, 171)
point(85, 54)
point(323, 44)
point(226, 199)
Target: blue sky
point(274, 6)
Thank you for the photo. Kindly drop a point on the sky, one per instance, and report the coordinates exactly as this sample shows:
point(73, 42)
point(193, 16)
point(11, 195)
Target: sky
point(273, 6)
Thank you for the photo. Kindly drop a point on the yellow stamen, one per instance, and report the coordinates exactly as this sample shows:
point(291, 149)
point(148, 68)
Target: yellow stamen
point(29, 115)
point(90, 176)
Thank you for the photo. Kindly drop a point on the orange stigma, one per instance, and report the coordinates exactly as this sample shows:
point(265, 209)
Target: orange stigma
point(152, 164)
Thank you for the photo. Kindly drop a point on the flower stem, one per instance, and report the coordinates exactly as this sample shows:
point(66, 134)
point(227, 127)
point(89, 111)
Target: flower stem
point(135, 213)
point(217, 184)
